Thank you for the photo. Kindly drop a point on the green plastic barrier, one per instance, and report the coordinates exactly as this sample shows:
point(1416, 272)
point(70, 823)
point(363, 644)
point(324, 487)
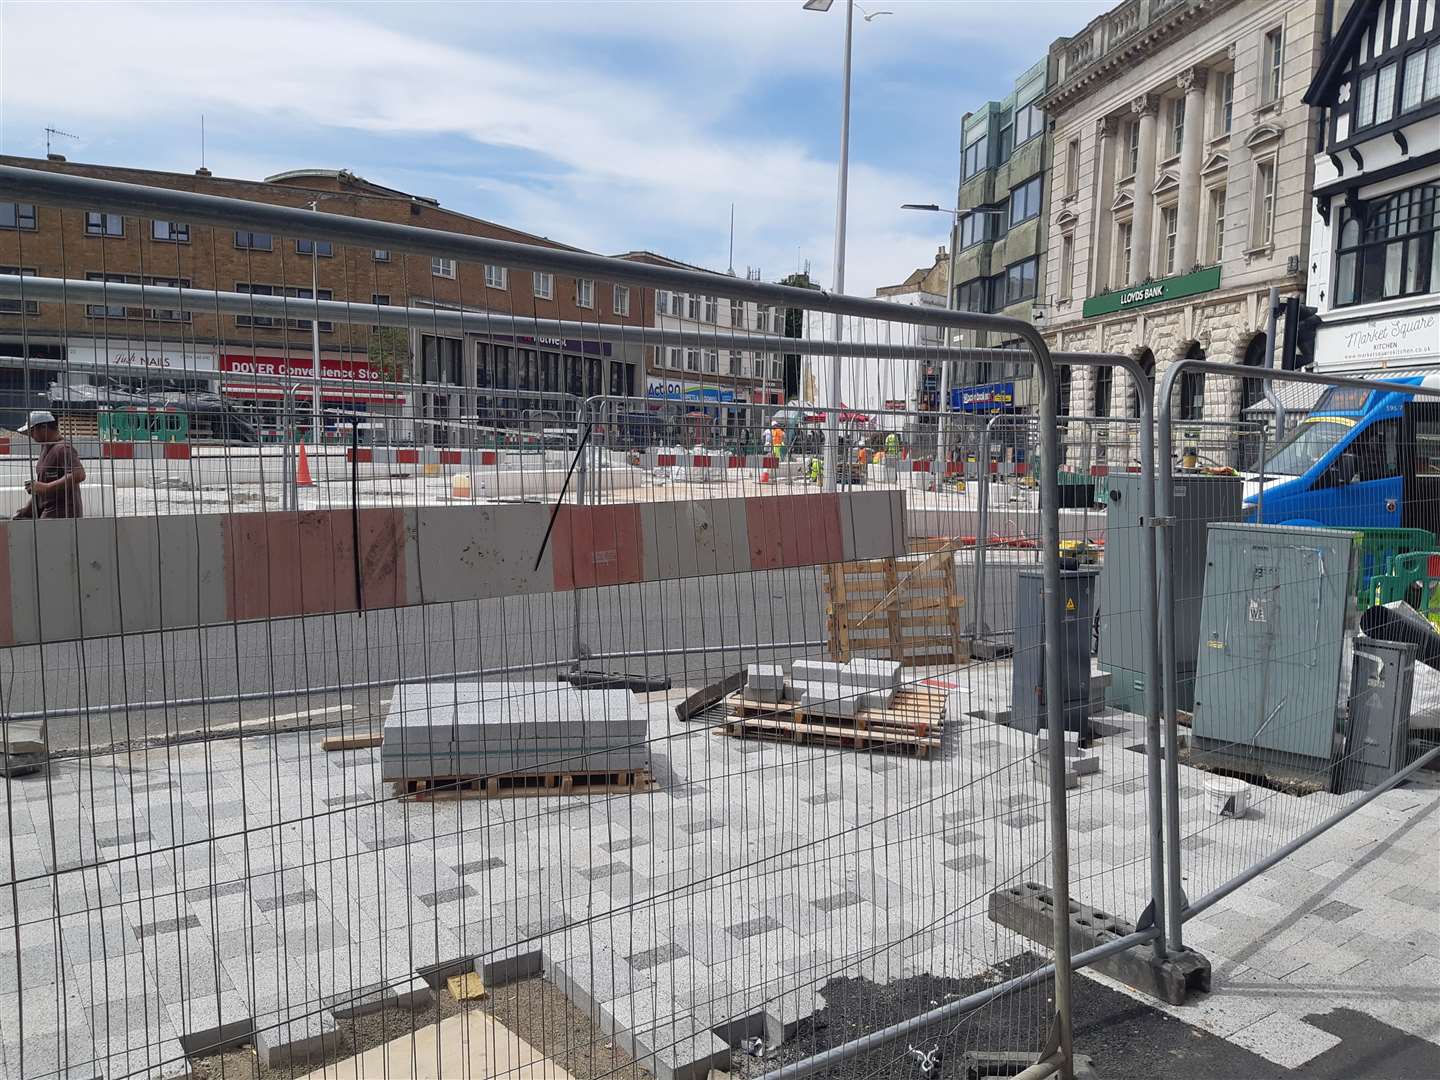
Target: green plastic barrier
point(1378, 550)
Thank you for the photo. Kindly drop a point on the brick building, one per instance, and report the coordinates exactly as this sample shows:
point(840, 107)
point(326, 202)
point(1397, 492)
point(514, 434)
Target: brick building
point(153, 349)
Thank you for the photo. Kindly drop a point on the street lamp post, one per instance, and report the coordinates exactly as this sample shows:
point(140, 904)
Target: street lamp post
point(317, 420)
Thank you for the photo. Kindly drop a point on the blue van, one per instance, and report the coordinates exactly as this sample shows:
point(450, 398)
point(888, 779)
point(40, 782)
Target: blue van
point(1359, 459)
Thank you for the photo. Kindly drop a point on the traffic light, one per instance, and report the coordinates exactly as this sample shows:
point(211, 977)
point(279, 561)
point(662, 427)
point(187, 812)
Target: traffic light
point(1298, 341)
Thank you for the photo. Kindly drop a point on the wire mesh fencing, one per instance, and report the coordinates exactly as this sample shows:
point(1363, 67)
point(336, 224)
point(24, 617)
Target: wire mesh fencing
point(459, 652)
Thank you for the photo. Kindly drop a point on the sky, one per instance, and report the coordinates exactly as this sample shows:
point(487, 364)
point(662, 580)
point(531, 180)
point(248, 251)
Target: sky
point(605, 124)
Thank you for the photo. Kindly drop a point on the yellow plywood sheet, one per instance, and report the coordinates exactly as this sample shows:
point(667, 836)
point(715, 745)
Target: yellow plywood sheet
point(469, 1045)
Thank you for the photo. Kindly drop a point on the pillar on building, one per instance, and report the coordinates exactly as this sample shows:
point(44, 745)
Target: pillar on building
point(1143, 109)
point(1192, 147)
point(1101, 232)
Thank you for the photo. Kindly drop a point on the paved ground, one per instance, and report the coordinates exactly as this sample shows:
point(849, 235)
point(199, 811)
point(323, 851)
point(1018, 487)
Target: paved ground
point(161, 891)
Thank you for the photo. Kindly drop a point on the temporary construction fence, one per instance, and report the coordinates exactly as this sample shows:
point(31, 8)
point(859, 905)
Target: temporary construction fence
point(283, 744)
point(190, 869)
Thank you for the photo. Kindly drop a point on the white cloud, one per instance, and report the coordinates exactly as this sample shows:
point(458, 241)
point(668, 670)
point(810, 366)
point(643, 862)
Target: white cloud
point(629, 155)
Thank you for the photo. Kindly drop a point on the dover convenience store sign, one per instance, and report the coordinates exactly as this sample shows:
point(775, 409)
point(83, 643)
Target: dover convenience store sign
point(1153, 292)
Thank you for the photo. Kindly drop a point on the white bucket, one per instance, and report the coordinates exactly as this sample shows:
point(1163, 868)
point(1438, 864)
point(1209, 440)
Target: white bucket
point(1226, 796)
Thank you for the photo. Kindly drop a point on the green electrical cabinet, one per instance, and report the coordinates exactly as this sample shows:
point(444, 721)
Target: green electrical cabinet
point(1124, 636)
point(1272, 673)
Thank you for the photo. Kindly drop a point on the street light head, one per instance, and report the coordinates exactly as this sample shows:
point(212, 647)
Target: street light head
point(873, 15)
point(818, 5)
point(920, 206)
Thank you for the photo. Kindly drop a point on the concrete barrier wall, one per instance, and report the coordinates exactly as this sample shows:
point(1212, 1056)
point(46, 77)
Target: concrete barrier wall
point(88, 578)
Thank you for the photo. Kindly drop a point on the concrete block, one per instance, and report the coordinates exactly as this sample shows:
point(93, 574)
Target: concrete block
point(768, 695)
point(787, 1015)
point(1072, 743)
point(360, 1002)
point(819, 671)
point(830, 699)
point(764, 676)
point(1042, 772)
point(508, 965)
point(878, 700)
point(591, 980)
point(879, 674)
point(283, 1042)
point(416, 993)
point(1086, 764)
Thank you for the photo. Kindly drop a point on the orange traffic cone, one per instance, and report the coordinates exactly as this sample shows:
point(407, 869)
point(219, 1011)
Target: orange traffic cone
point(302, 470)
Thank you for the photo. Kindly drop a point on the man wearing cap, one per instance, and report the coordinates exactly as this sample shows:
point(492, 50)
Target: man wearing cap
point(55, 491)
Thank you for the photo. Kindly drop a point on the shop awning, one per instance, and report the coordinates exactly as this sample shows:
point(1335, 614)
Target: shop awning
point(302, 391)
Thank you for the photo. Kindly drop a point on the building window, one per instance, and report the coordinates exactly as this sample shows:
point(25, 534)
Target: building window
point(1007, 137)
point(1124, 234)
point(381, 255)
point(1385, 94)
point(712, 361)
point(99, 223)
point(1192, 395)
point(973, 295)
point(1365, 102)
point(1104, 384)
point(1169, 229)
point(17, 216)
point(1064, 378)
point(620, 302)
point(1025, 201)
point(711, 310)
point(123, 311)
point(543, 285)
point(674, 355)
point(1067, 265)
point(692, 306)
point(496, 277)
point(677, 303)
point(1217, 225)
point(584, 293)
point(975, 159)
point(1225, 103)
point(442, 267)
point(1263, 211)
point(18, 306)
point(1177, 124)
point(322, 248)
point(737, 313)
point(977, 227)
point(762, 317)
point(1029, 120)
point(1131, 150)
point(253, 241)
point(1422, 78)
point(662, 301)
point(1272, 64)
point(1072, 168)
point(736, 363)
point(1390, 248)
point(692, 359)
point(1020, 281)
point(172, 231)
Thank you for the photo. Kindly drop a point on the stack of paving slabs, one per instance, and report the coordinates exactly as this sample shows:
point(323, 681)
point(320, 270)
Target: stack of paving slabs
point(503, 729)
point(858, 705)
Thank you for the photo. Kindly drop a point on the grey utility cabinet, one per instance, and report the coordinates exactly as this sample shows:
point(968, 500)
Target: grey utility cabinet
point(1378, 742)
point(1272, 678)
point(1124, 637)
point(1027, 701)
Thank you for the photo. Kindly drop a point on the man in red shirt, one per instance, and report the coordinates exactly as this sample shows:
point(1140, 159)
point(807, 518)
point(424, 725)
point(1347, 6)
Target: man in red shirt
point(55, 491)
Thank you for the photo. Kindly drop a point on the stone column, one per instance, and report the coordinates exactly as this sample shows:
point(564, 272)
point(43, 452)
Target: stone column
point(1103, 194)
point(1192, 148)
point(1143, 109)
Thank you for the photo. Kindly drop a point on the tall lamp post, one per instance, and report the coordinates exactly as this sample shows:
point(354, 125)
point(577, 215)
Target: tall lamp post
point(832, 403)
point(956, 216)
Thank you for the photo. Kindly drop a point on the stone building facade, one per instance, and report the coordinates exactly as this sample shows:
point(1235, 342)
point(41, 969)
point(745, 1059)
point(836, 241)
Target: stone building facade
point(1179, 190)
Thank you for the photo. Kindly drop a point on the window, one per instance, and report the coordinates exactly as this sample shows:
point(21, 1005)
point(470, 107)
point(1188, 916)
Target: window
point(1385, 94)
point(442, 267)
point(253, 241)
point(677, 303)
point(1225, 103)
point(1131, 161)
point(736, 363)
point(1177, 124)
point(322, 248)
point(1064, 378)
point(976, 157)
point(381, 255)
point(1025, 201)
point(674, 357)
point(1390, 248)
point(995, 300)
point(1192, 395)
point(1272, 60)
point(123, 311)
point(1263, 231)
point(1104, 384)
point(978, 227)
point(620, 302)
point(777, 367)
point(692, 359)
point(1072, 168)
point(305, 294)
point(1007, 138)
point(762, 317)
point(1422, 78)
point(380, 299)
point(662, 301)
point(711, 309)
point(257, 289)
point(737, 313)
point(973, 295)
point(1067, 264)
point(17, 216)
point(1029, 120)
point(712, 361)
point(1020, 281)
point(173, 231)
point(1124, 233)
point(98, 223)
point(584, 293)
point(1169, 228)
point(18, 306)
point(1365, 103)
point(1217, 225)
point(496, 277)
point(692, 306)
point(542, 285)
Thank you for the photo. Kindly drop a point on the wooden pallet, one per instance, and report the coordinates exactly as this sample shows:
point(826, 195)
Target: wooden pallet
point(525, 785)
point(903, 609)
point(914, 722)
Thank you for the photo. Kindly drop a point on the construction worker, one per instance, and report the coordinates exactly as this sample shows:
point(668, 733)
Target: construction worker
point(892, 446)
point(815, 470)
point(55, 491)
point(777, 439)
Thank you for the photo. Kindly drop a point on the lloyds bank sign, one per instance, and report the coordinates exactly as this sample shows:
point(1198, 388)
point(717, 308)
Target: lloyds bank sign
point(1153, 292)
